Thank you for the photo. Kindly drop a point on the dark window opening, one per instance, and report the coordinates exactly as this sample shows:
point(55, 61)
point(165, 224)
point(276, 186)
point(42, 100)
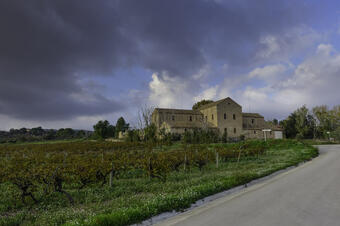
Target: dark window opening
point(225, 116)
point(234, 130)
point(225, 130)
point(185, 129)
point(212, 116)
point(190, 118)
point(173, 118)
point(254, 131)
point(252, 121)
point(206, 118)
point(234, 116)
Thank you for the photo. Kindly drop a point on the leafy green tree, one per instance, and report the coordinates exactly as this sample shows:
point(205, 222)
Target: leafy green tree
point(121, 126)
point(150, 133)
point(66, 133)
point(133, 136)
point(111, 130)
point(23, 131)
point(37, 131)
point(275, 122)
point(50, 135)
point(300, 124)
point(289, 126)
point(327, 120)
point(69, 132)
point(80, 134)
point(101, 129)
point(336, 134)
point(199, 104)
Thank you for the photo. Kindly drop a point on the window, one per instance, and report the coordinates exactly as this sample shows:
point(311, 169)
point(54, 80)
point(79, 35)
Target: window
point(185, 129)
point(190, 118)
point(212, 116)
point(206, 118)
point(173, 118)
point(234, 130)
point(270, 132)
point(254, 131)
point(234, 116)
point(252, 121)
point(225, 130)
point(225, 116)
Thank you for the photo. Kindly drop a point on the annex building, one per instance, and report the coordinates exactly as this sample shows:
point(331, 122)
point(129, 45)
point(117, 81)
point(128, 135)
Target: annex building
point(225, 116)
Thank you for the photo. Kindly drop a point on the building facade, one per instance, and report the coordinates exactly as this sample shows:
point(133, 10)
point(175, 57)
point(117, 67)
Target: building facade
point(224, 116)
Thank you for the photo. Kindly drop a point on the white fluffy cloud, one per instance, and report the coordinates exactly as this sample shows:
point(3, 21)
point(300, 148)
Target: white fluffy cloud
point(207, 94)
point(281, 47)
point(269, 73)
point(315, 81)
point(285, 87)
point(170, 92)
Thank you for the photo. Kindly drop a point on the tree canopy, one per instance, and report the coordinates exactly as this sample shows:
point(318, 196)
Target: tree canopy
point(121, 126)
point(199, 104)
point(103, 129)
point(318, 123)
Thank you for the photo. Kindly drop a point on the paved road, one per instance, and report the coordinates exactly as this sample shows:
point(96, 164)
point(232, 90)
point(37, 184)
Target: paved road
point(308, 195)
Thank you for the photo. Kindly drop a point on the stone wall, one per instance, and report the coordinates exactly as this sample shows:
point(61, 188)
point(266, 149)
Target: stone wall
point(224, 115)
point(229, 115)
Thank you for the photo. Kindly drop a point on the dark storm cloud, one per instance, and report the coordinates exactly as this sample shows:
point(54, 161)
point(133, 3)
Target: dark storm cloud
point(46, 46)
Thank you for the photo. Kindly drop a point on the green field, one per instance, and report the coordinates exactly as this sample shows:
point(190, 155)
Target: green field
point(148, 179)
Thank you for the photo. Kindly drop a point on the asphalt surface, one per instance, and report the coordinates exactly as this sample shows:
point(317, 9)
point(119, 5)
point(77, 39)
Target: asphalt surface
point(304, 196)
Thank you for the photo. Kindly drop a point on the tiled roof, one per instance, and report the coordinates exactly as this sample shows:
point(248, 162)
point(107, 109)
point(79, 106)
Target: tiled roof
point(178, 111)
point(254, 115)
point(217, 102)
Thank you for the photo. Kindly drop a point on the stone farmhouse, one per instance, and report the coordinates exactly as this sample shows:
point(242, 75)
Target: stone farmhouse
point(224, 116)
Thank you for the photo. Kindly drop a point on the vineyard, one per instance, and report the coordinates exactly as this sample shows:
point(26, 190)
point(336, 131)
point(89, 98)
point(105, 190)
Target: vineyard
point(54, 176)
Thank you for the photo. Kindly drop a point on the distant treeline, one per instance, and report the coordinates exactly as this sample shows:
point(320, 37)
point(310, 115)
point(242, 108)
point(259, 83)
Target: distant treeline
point(40, 134)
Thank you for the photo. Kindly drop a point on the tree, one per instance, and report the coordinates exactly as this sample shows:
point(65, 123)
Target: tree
point(336, 134)
point(289, 126)
point(101, 129)
point(38, 131)
point(81, 134)
point(111, 130)
point(327, 120)
point(275, 122)
point(121, 126)
point(145, 116)
point(304, 123)
point(50, 135)
point(300, 124)
point(150, 133)
point(199, 104)
point(133, 136)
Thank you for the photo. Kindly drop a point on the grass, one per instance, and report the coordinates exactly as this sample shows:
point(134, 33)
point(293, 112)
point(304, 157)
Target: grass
point(132, 200)
point(319, 142)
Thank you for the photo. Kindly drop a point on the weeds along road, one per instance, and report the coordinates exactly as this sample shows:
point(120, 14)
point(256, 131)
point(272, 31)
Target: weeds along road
point(307, 195)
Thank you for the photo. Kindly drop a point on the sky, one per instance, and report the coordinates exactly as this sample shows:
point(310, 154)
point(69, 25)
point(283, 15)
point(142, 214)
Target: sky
point(72, 63)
